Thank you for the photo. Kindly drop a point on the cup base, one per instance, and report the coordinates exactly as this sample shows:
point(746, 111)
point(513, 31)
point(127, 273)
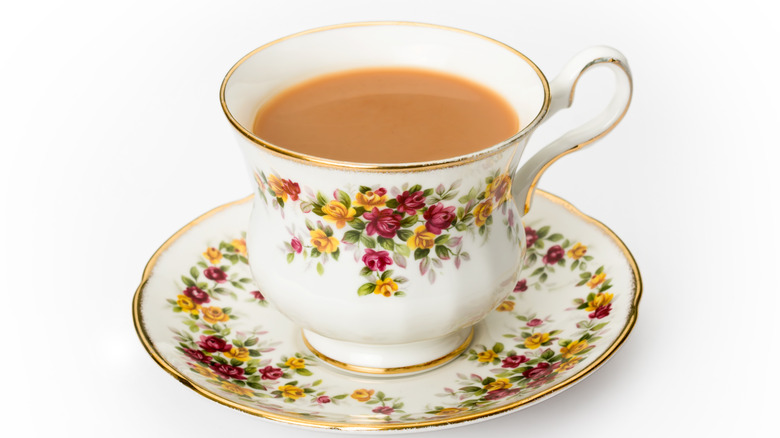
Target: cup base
point(407, 358)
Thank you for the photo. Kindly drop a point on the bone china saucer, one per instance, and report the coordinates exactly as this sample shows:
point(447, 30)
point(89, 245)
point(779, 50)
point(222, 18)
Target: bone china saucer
point(202, 319)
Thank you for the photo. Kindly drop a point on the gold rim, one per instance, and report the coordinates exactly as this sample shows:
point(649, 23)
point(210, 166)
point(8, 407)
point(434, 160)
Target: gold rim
point(393, 370)
point(400, 167)
point(149, 346)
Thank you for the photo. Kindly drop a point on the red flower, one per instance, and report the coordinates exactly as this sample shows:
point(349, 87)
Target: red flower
point(216, 274)
point(554, 254)
point(410, 203)
point(513, 361)
point(271, 373)
point(257, 294)
point(530, 236)
point(291, 189)
point(198, 355)
point(377, 260)
point(384, 410)
point(438, 217)
point(228, 371)
point(296, 244)
point(501, 393)
point(323, 399)
point(384, 222)
point(542, 369)
point(197, 295)
point(213, 344)
point(521, 286)
point(601, 312)
point(534, 322)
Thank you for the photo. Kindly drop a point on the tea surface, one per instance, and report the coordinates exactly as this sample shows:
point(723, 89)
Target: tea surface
point(386, 115)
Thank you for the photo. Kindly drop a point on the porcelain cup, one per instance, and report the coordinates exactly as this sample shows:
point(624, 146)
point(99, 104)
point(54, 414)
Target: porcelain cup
point(388, 267)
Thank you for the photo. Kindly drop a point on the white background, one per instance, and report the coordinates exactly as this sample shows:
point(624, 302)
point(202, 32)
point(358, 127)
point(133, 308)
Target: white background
point(112, 139)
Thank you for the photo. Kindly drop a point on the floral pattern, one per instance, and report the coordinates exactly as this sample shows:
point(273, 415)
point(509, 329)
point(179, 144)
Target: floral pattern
point(524, 348)
point(388, 227)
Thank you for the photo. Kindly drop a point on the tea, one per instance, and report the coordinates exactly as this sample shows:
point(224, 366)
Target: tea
point(386, 115)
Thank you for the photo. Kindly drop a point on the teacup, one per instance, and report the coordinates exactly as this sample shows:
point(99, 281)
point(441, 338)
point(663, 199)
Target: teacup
point(378, 283)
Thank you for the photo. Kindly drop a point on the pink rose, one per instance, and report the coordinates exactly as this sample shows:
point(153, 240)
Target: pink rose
point(601, 312)
point(542, 369)
point(198, 355)
point(296, 244)
point(410, 203)
point(501, 393)
point(521, 286)
point(534, 322)
point(384, 410)
point(377, 260)
point(383, 222)
point(216, 274)
point(271, 373)
point(197, 295)
point(513, 361)
point(257, 294)
point(530, 236)
point(323, 399)
point(438, 217)
point(213, 344)
point(554, 254)
point(228, 371)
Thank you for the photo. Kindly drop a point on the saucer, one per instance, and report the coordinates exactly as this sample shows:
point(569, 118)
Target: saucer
point(574, 306)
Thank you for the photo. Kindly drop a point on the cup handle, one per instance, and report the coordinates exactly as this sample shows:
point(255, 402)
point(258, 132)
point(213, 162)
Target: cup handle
point(562, 95)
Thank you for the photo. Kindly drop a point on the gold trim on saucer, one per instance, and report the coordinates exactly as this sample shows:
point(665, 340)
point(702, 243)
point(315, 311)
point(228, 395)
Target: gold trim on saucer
point(394, 370)
point(465, 417)
point(389, 167)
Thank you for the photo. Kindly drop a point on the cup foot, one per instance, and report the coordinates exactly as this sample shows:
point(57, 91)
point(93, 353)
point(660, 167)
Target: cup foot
point(389, 359)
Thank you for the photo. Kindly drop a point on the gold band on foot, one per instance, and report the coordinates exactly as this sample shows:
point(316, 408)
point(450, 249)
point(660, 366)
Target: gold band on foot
point(395, 370)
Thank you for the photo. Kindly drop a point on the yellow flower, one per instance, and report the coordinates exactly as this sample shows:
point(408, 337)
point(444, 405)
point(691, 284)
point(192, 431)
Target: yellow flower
point(238, 353)
point(486, 356)
point(506, 306)
point(498, 384)
point(322, 242)
point(277, 185)
point(239, 245)
point(337, 213)
point(295, 363)
point(293, 392)
point(565, 366)
point(235, 389)
point(577, 251)
point(370, 199)
point(450, 411)
point(203, 371)
point(597, 280)
point(574, 348)
point(385, 287)
point(362, 395)
point(499, 189)
point(482, 212)
point(536, 340)
point(187, 305)
point(214, 314)
point(601, 299)
point(422, 238)
point(213, 255)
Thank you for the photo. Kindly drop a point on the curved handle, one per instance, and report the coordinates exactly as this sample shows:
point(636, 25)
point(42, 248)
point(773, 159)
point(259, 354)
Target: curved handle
point(562, 95)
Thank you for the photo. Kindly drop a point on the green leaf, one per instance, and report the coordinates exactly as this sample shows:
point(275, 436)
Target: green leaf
point(385, 243)
point(365, 271)
point(408, 221)
point(194, 273)
point(537, 271)
point(187, 281)
point(420, 253)
point(542, 232)
point(321, 199)
point(254, 353)
point(366, 289)
point(309, 225)
point(364, 189)
point(441, 240)
point(555, 237)
point(403, 250)
point(386, 274)
point(543, 278)
point(251, 341)
point(254, 385)
point(599, 270)
point(320, 268)
point(303, 372)
point(427, 192)
point(400, 294)
point(442, 252)
point(498, 347)
point(391, 203)
point(290, 257)
point(344, 198)
point(315, 252)
point(415, 188)
point(404, 235)
point(367, 241)
point(351, 236)
point(336, 253)
point(575, 264)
